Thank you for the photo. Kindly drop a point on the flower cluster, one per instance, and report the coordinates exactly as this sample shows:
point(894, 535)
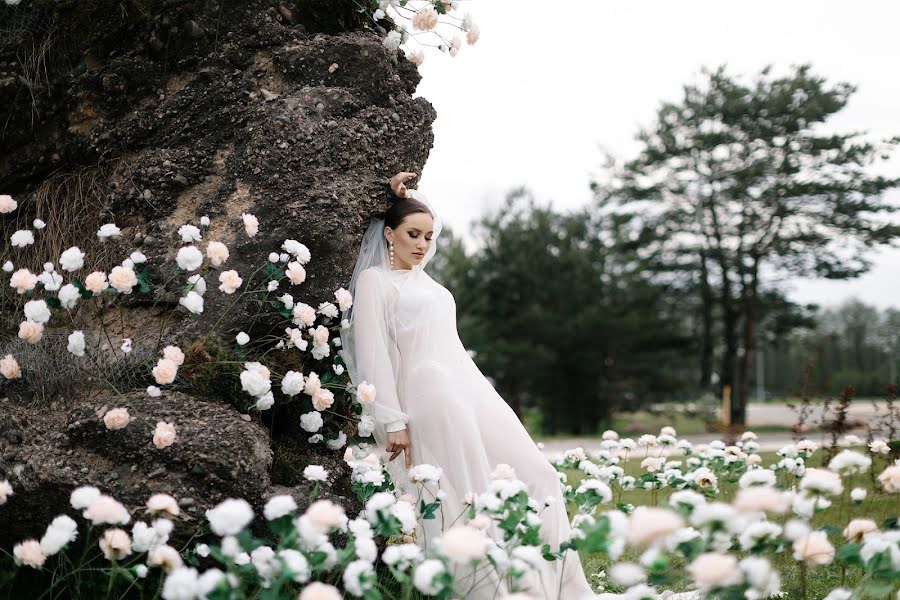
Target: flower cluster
point(417, 24)
point(310, 331)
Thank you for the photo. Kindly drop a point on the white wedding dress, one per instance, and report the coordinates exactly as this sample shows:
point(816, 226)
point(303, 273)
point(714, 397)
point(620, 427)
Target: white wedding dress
point(405, 342)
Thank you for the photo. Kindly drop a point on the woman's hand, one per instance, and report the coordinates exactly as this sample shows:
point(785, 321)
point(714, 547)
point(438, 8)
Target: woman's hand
point(399, 441)
point(398, 181)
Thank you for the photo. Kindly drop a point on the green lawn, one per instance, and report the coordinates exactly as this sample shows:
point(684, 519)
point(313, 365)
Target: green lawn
point(820, 581)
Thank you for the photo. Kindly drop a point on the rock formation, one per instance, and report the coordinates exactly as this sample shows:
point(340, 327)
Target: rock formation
point(151, 115)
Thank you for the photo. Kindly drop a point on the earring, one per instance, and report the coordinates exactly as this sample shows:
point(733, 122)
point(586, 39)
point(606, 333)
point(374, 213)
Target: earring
point(391, 245)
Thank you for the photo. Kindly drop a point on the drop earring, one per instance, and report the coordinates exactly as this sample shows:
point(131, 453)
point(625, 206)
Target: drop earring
point(391, 245)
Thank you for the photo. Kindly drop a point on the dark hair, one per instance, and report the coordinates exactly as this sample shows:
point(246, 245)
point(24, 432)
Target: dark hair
point(402, 208)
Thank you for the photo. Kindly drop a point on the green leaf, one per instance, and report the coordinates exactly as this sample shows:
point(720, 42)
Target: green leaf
point(877, 589)
point(53, 302)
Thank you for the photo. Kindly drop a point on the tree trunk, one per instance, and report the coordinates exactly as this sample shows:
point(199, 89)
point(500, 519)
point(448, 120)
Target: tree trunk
point(706, 324)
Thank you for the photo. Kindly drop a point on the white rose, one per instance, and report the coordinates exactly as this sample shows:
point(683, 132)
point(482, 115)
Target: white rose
point(193, 302)
point(107, 231)
point(189, 258)
point(292, 384)
point(298, 250)
point(37, 311)
point(21, 238)
point(76, 343)
point(251, 224)
point(68, 296)
point(72, 259)
point(189, 233)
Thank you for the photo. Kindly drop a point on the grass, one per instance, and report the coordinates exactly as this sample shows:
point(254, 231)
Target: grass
point(820, 581)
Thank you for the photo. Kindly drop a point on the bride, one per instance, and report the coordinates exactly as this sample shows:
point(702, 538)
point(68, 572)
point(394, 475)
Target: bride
point(432, 403)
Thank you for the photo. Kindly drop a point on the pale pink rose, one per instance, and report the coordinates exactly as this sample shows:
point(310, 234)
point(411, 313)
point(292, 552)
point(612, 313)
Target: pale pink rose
point(251, 224)
point(164, 435)
point(890, 479)
point(365, 393)
point(217, 253)
point(319, 335)
point(106, 509)
point(713, 570)
point(96, 282)
point(653, 463)
point(6, 491)
point(295, 272)
point(31, 332)
point(165, 370)
point(325, 514)
point(344, 299)
point(416, 58)
point(648, 524)
point(116, 418)
point(856, 529)
point(174, 354)
point(480, 521)
point(503, 471)
point(115, 544)
point(320, 591)
point(229, 281)
point(322, 399)
point(762, 499)
point(754, 459)
point(814, 548)
point(29, 553)
point(313, 384)
point(473, 34)
point(426, 19)
point(295, 337)
point(123, 279)
point(7, 204)
point(163, 503)
point(462, 543)
point(9, 367)
point(23, 280)
point(164, 556)
point(304, 314)
point(259, 368)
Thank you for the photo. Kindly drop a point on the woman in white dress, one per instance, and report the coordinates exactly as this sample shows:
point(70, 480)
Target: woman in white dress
point(432, 403)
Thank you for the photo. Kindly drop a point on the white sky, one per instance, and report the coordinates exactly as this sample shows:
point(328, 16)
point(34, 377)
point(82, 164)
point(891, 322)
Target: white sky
point(546, 90)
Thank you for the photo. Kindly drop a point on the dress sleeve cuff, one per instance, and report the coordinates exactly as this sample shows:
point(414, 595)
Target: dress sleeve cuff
point(395, 426)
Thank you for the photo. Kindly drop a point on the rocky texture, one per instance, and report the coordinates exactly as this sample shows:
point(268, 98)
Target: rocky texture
point(218, 454)
point(291, 111)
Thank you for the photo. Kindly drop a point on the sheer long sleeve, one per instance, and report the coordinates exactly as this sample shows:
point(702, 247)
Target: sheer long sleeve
point(373, 350)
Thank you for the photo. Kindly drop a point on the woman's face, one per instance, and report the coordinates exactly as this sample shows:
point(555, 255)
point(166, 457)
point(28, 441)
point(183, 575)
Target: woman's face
point(411, 238)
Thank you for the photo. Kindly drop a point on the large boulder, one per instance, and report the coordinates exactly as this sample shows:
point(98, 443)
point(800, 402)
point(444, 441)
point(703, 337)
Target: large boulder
point(294, 112)
point(218, 454)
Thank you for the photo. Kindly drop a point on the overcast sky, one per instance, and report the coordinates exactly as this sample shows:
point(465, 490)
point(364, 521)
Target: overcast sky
point(546, 91)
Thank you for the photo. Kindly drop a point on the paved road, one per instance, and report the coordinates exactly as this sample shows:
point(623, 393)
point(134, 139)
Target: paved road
point(757, 414)
point(781, 414)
